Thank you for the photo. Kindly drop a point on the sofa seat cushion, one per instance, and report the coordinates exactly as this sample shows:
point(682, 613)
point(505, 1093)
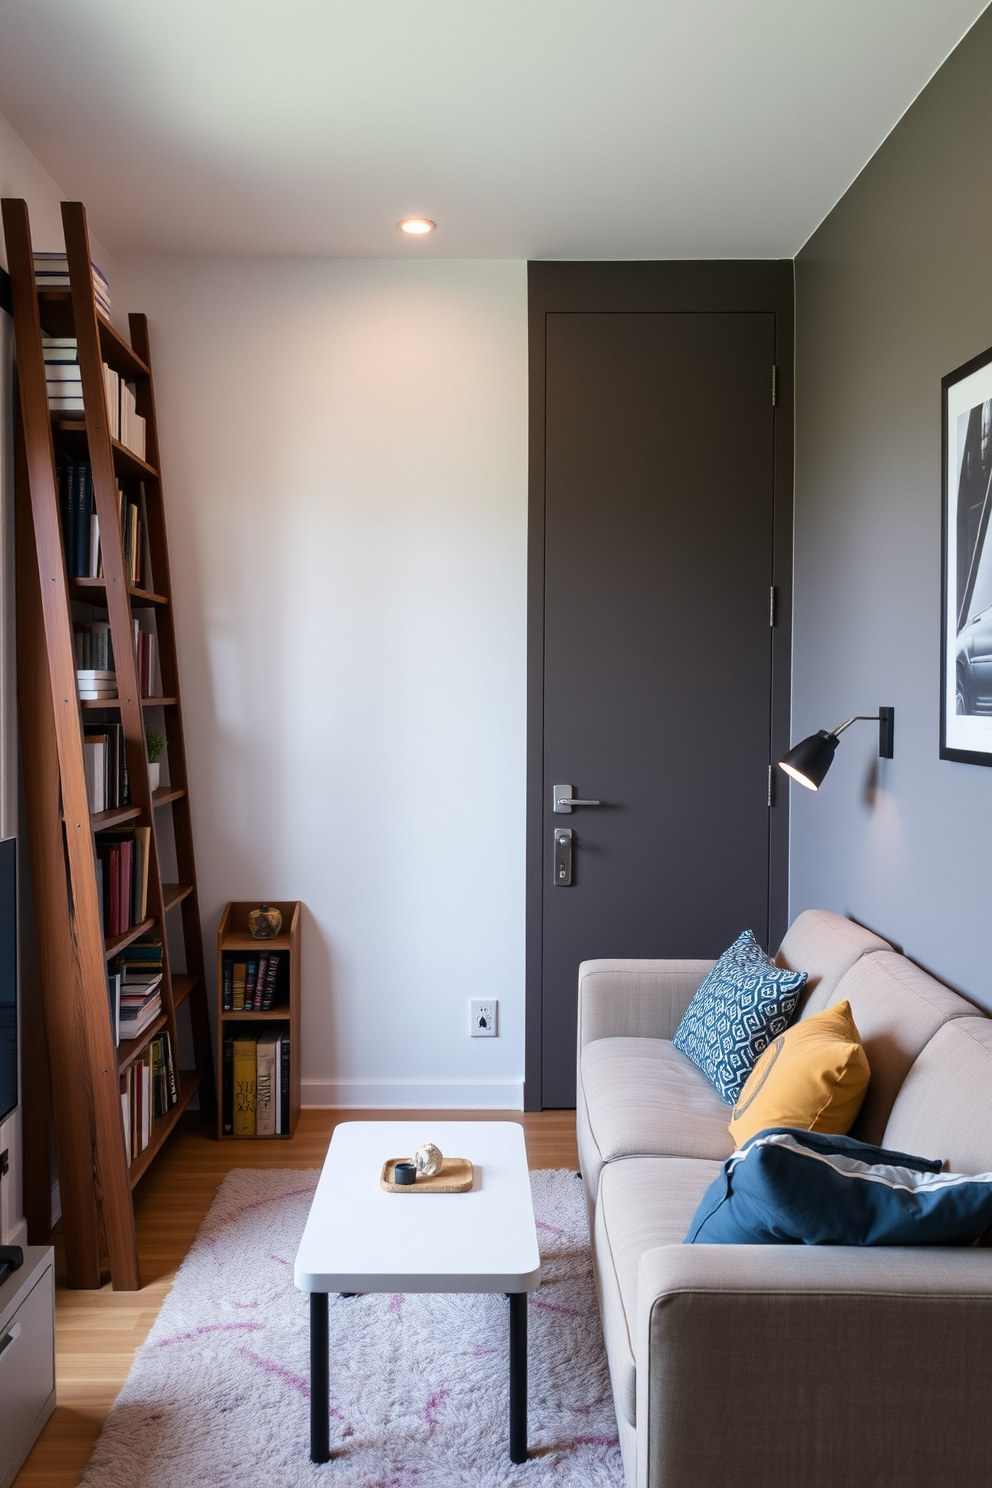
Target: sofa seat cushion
point(645, 1099)
point(898, 1008)
point(643, 1202)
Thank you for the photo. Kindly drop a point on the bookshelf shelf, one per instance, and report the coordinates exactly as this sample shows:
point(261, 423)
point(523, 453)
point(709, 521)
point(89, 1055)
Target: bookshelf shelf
point(165, 795)
point(88, 591)
point(128, 1050)
point(235, 945)
point(78, 859)
point(173, 894)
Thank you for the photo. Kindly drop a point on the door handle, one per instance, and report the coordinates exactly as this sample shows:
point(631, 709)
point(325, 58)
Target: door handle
point(563, 800)
point(563, 858)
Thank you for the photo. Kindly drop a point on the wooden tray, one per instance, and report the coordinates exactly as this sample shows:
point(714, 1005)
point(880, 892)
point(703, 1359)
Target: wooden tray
point(456, 1176)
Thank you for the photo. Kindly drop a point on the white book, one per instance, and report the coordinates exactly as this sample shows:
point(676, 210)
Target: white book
point(95, 766)
point(65, 405)
point(126, 1119)
point(86, 695)
point(267, 1091)
point(94, 675)
point(63, 372)
point(94, 572)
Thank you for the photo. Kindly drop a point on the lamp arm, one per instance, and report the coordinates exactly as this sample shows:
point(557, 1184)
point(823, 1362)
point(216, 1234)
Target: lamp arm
point(858, 718)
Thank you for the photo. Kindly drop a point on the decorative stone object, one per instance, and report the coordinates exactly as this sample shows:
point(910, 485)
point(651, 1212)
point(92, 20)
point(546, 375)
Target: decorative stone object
point(264, 922)
point(428, 1160)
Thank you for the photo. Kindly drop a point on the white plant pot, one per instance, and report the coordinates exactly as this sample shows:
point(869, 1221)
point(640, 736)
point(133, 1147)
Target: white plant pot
point(154, 771)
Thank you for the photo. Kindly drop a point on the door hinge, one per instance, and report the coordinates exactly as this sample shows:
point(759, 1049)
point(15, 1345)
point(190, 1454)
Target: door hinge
point(774, 385)
point(773, 606)
point(771, 785)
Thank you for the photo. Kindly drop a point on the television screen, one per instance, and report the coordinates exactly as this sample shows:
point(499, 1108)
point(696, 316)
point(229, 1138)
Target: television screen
point(8, 976)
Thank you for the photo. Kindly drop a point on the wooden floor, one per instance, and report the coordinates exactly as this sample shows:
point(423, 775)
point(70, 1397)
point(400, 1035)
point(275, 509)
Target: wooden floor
point(96, 1333)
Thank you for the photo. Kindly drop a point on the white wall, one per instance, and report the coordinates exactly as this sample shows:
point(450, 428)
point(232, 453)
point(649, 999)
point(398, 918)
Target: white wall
point(344, 454)
point(892, 294)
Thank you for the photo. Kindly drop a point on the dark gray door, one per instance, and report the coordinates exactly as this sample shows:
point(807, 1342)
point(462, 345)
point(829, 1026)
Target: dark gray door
point(659, 487)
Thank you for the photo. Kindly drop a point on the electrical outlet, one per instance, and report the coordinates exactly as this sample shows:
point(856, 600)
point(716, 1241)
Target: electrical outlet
point(483, 1022)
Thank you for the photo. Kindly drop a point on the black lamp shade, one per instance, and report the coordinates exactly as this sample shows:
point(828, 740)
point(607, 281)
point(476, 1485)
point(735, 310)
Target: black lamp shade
point(810, 759)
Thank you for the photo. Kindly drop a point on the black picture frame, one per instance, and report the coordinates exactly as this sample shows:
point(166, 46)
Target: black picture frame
point(966, 563)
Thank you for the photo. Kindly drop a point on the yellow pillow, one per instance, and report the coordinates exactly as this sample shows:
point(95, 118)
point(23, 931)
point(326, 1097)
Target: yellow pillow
point(813, 1076)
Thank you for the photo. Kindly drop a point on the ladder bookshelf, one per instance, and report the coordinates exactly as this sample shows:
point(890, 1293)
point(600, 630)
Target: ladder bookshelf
point(86, 1068)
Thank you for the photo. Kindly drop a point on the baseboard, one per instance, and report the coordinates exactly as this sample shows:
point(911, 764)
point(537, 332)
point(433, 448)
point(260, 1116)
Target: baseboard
point(413, 1095)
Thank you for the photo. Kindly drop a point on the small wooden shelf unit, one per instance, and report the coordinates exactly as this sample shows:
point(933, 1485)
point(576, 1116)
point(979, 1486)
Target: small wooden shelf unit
point(234, 937)
point(84, 1067)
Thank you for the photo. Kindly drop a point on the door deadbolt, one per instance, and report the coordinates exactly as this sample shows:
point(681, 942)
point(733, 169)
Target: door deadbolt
point(563, 858)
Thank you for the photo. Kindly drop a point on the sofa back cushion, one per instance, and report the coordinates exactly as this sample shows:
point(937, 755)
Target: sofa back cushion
point(944, 1108)
point(898, 1008)
point(825, 946)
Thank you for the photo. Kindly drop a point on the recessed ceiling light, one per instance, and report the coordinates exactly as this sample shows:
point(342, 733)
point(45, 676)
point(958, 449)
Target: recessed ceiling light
point(416, 226)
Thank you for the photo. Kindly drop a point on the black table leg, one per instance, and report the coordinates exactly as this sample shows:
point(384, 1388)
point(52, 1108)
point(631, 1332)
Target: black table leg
point(518, 1376)
point(320, 1381)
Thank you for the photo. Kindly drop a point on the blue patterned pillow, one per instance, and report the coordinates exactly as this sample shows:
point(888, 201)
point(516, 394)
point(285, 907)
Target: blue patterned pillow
point(744, 1003)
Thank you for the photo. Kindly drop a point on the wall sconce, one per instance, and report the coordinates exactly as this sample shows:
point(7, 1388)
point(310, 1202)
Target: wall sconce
point(810, 759)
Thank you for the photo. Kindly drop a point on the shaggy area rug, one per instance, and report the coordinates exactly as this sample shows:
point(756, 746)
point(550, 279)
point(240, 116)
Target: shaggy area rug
point(219, 1394)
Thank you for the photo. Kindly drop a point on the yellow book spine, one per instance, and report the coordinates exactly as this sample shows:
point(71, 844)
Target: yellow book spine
point(245, 1087)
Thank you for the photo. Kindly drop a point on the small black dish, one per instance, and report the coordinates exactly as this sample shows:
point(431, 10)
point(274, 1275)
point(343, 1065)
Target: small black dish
point(404, 1173)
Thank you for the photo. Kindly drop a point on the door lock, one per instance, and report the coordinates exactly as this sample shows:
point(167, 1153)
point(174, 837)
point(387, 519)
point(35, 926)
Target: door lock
point(563, 858)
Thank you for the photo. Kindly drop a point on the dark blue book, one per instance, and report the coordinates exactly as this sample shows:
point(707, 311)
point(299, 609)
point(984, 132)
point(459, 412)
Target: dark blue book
point(81, 525)
point(65, 480)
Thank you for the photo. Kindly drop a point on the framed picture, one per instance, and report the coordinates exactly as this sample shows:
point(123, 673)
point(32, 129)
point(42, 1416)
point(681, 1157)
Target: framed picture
point(966, 589)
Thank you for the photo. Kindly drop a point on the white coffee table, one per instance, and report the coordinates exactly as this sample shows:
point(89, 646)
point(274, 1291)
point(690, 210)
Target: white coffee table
point(359, 1238)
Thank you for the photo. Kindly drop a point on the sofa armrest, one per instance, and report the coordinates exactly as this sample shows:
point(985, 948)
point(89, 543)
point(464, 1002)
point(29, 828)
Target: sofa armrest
point(635, 999)
point(778, 1365)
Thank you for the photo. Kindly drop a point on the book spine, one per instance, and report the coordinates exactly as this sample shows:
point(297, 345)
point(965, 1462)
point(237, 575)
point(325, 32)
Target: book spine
point(245, 1087)
point(265, 1124)
point(81, 529)
point(284, 1085)
point(256, 1003)
point(170, 1071)
point(250, 978)
point(271, 979)
point(227, 985)
point(227, 1087)
point(238, 995)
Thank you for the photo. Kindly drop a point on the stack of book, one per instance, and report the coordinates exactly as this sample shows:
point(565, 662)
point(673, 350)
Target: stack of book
point(123, 881)
point(92, 684)
point(148, 1091)
point(63, 379)
point(51, 271)
point(255, 1085)
point(253, 985)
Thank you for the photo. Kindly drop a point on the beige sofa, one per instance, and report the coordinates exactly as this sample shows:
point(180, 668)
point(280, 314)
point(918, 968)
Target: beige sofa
point(785, 1366)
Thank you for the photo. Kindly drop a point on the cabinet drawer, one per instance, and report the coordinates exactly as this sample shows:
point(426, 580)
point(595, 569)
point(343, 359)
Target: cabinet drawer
point(27, 1367)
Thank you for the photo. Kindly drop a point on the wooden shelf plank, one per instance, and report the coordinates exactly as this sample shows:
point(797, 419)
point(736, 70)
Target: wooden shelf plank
point(101, 820)
point(116, 943)
point(167, 793)
point(173, 894)
point(158, 702)
point(56, 316)
point(85, 589)
point(128, 1050)
point(182, 986)
point(189, 1084)
point(127, 464)
point(277, 1014)
point(280, 942)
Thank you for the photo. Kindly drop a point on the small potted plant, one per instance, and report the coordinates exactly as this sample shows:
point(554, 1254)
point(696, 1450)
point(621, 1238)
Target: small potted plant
point(156, 743)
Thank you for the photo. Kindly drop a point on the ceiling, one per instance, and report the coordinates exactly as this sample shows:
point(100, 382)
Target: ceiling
point(526, 129)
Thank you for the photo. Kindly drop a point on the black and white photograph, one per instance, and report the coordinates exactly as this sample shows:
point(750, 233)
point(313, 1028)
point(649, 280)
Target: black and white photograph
point(966, 670)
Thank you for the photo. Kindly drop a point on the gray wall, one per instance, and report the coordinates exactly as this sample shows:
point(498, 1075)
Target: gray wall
point(893, 291)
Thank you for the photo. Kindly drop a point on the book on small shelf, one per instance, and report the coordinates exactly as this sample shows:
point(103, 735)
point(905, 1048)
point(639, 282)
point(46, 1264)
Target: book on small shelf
point(255, 1087)
point(258, 1004)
